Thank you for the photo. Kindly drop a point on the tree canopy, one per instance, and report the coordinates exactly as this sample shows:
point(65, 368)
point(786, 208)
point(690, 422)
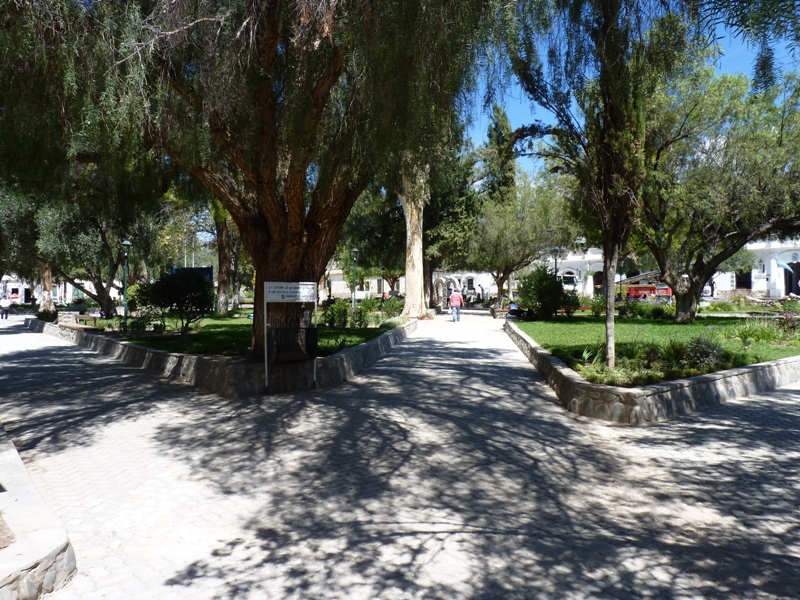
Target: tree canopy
point(283, 110)
point(721, 172)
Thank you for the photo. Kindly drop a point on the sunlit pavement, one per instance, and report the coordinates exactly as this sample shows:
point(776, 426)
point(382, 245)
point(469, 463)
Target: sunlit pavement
point(444, 471)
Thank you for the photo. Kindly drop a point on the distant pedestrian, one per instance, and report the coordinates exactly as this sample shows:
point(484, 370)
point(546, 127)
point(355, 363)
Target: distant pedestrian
point(456, 302)
point(5, 304)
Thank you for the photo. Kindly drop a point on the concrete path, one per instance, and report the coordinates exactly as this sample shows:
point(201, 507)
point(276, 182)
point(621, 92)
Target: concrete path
point(444, 471)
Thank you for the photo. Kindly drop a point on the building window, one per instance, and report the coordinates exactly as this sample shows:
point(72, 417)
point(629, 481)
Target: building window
point(470, 283)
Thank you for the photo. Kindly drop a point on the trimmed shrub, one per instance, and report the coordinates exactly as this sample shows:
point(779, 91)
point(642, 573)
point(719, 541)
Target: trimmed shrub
point(542, 291)
point(137, 325)
point(570, 302)
point(370, 304)
point(704, 354)
point(338, 314)
point(185, 296)
point(788, 323)
point(392, 307)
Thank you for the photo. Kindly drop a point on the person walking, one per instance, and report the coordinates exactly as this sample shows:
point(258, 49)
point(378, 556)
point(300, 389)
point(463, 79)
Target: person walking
point(5, 304)
point(456, 302)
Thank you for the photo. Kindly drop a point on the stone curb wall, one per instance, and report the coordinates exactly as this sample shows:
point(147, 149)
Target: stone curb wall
point(234, 378)
point(658, 402)
point(41, 558)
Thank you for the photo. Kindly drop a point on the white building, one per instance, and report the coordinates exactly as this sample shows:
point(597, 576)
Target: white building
point(777, 273)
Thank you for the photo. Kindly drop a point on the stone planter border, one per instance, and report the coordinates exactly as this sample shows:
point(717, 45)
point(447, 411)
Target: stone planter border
point(233, 378)
point(651, 403)
point(41, 558)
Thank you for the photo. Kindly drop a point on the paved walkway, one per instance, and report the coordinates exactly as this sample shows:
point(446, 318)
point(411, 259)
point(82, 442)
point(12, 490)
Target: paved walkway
point(444, 471)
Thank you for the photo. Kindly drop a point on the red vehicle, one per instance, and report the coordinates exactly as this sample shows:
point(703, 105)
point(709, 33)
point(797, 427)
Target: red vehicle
point(650, 290)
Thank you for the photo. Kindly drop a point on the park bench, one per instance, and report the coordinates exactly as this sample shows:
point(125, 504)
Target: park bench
point(86, 319)
point(69, 320)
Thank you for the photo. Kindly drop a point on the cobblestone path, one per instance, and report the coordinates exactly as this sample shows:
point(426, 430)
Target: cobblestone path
point(444, 471)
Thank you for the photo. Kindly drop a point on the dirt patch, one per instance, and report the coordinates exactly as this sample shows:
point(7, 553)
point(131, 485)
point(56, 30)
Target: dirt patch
point(6, 535)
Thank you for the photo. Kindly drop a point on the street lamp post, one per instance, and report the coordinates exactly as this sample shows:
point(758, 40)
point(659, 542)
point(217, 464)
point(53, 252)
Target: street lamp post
point(354, 254)
point(126, 247)
point(383, 281)
point(556, 252)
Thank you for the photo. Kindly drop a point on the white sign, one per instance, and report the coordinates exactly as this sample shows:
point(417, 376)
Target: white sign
point(290, 291)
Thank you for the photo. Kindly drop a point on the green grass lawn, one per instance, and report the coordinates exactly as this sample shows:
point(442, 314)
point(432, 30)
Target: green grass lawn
point(642, 345)
point(232, 337)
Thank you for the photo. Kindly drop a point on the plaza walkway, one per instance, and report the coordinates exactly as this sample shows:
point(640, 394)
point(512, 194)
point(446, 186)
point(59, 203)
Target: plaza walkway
point(444, 471)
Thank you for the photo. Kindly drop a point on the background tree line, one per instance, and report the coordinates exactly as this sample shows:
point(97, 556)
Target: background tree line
point(286, 112)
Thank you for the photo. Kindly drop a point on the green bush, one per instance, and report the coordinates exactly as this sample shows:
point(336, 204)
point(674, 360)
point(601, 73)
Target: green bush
point(392, 307)
point(185, 296)
point(674, 351)
point(134, 296)
point(662, 311)
point(137, 325)
point(80, 307)
point(47, 315)
point(598, 305)
point(720, 306)
point(570, 302)
point(637, 308)
point(791, 306)
point(370, 304)
point(542, 291)
point(361, 317)
point(758, 330)
point(788, 323)
point(704, 354)
point(338, 314)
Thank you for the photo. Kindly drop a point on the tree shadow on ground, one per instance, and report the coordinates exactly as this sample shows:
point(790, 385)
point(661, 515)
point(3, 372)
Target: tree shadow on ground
point(61, 396)
point(445, 472)
point(440, 484)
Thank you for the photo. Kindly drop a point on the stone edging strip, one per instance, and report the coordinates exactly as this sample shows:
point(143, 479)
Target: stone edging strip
point(41, 558)
point(233, 378)
point(651, 403)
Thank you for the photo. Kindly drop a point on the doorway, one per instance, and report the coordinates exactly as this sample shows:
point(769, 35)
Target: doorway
point(791, 280)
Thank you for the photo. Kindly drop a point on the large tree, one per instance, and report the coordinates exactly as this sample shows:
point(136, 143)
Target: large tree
point(283, 110)
point(88, 185)
point(376, 227)
point(591, 64)
point(722, 172)
point(514, 232)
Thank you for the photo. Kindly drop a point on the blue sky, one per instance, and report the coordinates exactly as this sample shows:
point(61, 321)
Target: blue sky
point(737, 58)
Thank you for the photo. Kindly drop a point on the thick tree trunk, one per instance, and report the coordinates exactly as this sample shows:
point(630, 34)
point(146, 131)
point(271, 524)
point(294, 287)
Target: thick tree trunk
point(286, 322)
point(224, 256)
point(414, 197)
point(686, 304)
point(430, 301)
point(500, 281)
point(104, 299)
point(610, 258)
point(46, 280)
